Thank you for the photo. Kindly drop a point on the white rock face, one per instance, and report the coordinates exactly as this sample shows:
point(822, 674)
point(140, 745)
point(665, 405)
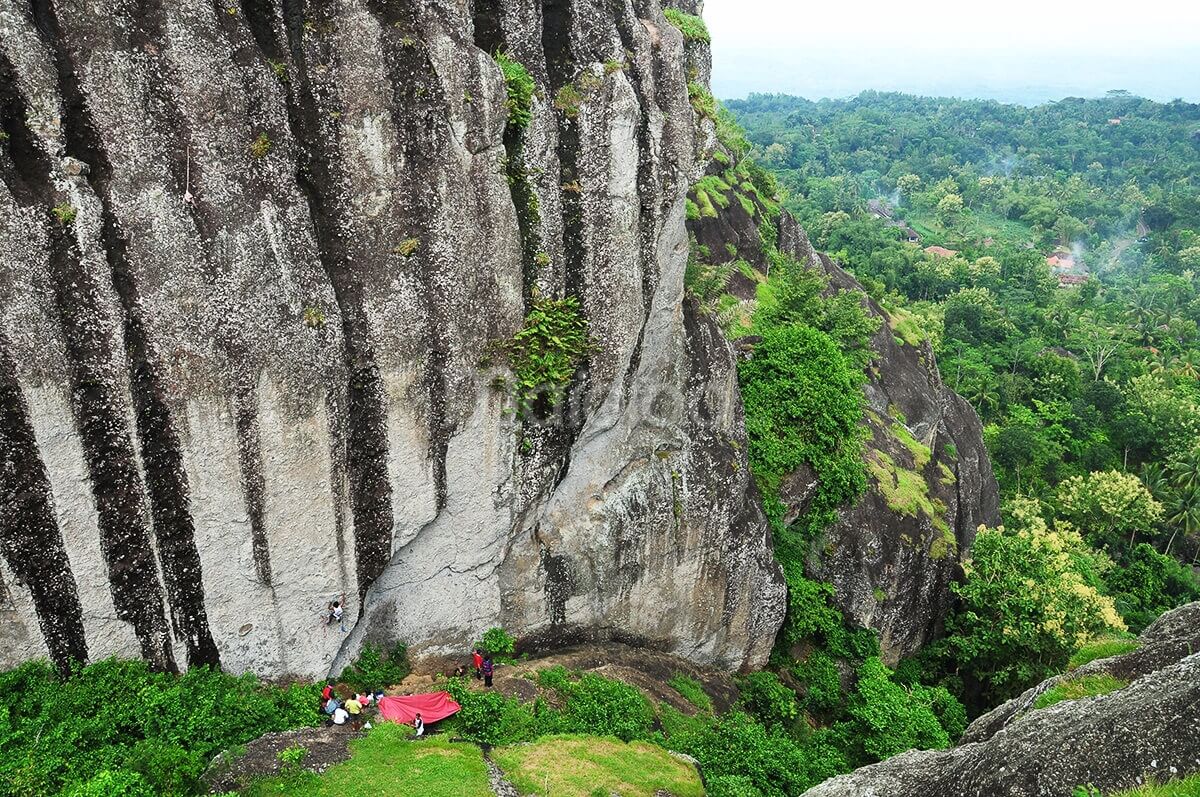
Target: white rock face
point(253, 263)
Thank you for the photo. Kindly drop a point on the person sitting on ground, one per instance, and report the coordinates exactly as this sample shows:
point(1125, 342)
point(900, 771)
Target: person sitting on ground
point(419, 724)
point(488, 669)
point(477, 660)
point(364, 699)
point(460, 671)
point(378, 696)
point(332, 705)
point(340, 715)
point(353, 706)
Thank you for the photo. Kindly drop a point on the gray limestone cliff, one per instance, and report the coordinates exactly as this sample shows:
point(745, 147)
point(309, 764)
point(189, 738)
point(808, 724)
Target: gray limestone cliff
point(253, 255)
point(1145, 731)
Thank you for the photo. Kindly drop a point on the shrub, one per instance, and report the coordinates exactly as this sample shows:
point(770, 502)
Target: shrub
point(736, 746)
point(823, 682)
point(568, 100)
point(768, 699)
point(497, 642)
point(691, 26)
point(408, 247)
point(65, 213)
point(491, 718)
point(115, 725)
point(1076, 688)
point(732, 786)
point(376, 668)
point(692, 691)
point(1149, 584)
point(889, 719)
point(803, 405)
point(604, 707)
point(290, 758)
point(703, 102)
point(1028, 602)
point(521, 88)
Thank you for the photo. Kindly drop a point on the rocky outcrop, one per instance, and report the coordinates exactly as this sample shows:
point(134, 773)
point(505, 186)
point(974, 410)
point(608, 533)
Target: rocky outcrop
point(1144, 731)
point(892, 555)
point(252, 256)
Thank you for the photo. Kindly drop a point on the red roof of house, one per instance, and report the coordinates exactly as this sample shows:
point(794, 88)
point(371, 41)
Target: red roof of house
point(941, 251)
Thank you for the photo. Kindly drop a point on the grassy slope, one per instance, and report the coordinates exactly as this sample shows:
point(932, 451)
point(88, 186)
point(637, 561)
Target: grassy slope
point(385, 762)
point(580, 766)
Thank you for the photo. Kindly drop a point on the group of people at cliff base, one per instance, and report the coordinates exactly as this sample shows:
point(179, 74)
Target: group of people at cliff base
point(349, 710)
point(484, 667)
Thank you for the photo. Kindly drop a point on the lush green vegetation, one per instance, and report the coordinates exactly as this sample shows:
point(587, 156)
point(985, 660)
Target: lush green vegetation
point(387, 762)
point(692, 691)
point(115, 727)
point(583, 766)
point(1089, 392)
point(1076, 688)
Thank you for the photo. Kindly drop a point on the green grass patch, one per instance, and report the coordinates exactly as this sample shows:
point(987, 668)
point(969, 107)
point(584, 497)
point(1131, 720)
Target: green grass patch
point(691, 26)
point(1077, 688)
point(387, 762)
point(1101, 649)
point(1187, 787)
point(692, 691)
point(583, 766)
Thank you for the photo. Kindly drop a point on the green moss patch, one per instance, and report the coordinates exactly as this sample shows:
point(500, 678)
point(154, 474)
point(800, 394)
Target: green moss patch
point(905, 327)
point(907, 492)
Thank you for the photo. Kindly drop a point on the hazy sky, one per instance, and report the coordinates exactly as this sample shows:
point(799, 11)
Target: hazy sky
point(1012, 50)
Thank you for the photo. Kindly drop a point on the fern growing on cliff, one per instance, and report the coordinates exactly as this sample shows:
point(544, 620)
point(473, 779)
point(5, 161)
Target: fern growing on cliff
point(546, 352)
point(521, 89)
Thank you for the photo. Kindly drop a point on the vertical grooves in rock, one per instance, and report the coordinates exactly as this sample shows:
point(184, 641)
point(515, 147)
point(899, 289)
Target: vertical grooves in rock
point(560, 62)
point(366, 448)
point(253, 482)
point(417, 103)
point(489, 37)
point(162, 456)
point(29, 536)
point(30, 539)
point(646, 191)
point(116, 486)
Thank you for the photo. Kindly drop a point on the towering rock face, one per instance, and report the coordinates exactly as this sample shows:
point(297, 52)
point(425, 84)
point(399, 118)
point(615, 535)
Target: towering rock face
point(253, 257)
point(892, 555)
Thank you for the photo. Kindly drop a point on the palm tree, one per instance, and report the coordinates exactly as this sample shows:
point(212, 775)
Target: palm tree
point(1155, 478)
point(1184, 471)
point(1186, 365)
point(984, 396)
point(1183, 512)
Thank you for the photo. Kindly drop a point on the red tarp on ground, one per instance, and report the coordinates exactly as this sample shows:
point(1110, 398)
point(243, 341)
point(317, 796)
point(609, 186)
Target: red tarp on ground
point(432, 707)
